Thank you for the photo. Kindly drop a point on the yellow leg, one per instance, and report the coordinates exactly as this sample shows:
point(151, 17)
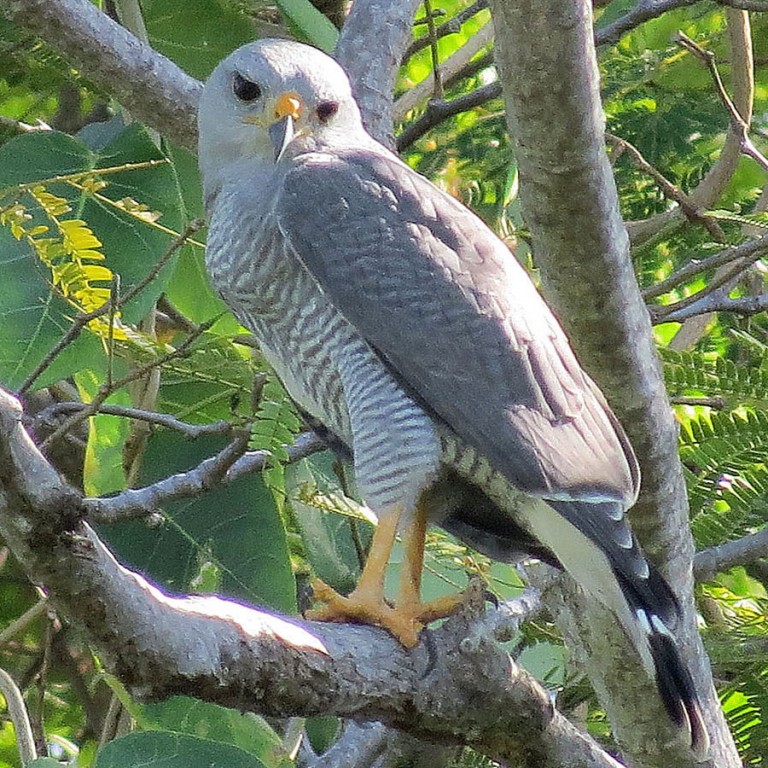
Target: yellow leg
point(367, 604)
point(409, 592)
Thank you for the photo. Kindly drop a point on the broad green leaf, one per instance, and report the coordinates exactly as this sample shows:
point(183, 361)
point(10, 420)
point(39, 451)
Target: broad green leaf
point(196, 35)
point(328, 537)
point(103, 471)
point(236, 525)
point(42, 155)
point(309, 24)
point(244, 730)
point(160, 749)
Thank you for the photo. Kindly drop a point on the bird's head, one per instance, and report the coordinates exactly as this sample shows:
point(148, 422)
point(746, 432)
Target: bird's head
point(273, 97)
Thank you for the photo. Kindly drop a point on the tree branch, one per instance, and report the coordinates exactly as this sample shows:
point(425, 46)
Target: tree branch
point(706, 194)
point(225, 467)
point(571, 206)
point(236, 656)
point(152, 87)
point(644, 11)
point(370, 48)
point(714, 560)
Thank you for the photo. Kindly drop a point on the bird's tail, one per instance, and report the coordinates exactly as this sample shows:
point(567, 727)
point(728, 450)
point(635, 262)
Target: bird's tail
point(657, 617)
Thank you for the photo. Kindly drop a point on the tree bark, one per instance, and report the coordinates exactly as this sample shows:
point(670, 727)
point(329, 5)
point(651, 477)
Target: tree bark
point(571, 205)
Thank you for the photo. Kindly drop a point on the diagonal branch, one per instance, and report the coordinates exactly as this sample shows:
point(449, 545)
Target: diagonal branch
point(152, 87)
point(236, 656)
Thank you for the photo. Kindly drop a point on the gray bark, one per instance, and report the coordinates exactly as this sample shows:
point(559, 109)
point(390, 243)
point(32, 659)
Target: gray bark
point(149, 85)
point(571, 205)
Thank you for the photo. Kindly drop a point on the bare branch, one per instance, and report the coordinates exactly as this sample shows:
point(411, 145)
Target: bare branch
point(437, 111)
point(739, 125)
point(718, 403)
point(52, 412)
point(225, 467)
point(152, 87)
point(742, 551)
point(724, 280)
point(17, 709)
point(645, 10)
point(571, 206)
point(716, 302)
point(370, 48)
point(451, 27)
point(752, 250)
point(451, 67)
point(669, 190)
point(716, 180)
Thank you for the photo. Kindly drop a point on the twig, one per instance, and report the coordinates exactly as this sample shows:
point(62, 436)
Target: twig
point(25, 740)
point(82, 319)
point(751, 250)
point(744, 305)
point(710, 561)
point(17, 125)
point(663, 313)
point(670, 191)
point(739, 125)
point(718, 403)
point(644, 11)
point(106, 390)
point(49, 415)
point(451, 67)
point(174, 246)
point(20, 624)
point(451, 27)
point(225, 467)
point(436, 73)
point(437, 111)
point(154, 89)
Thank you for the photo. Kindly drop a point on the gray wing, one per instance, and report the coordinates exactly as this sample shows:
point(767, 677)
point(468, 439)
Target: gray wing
point(445, 303)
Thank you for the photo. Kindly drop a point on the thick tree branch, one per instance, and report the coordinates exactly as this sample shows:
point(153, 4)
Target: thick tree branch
point(371, 47)
point(240, 657)
point(571, 205)
point(152, 87)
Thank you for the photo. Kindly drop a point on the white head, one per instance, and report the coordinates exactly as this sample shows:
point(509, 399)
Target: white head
point(271, 99)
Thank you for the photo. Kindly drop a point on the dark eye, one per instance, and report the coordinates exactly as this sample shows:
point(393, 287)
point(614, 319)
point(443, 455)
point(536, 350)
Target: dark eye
point(326, 110)
point(245, 90)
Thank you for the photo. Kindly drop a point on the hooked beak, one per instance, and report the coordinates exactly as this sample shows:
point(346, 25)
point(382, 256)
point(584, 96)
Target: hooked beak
point(282, 131)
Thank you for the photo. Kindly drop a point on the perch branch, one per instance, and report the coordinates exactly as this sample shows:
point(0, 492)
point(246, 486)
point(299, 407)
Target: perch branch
point(252, 660)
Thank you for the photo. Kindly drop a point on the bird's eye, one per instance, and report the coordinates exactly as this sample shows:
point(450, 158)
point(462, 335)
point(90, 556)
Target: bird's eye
point(326, 110)
point(245, 90)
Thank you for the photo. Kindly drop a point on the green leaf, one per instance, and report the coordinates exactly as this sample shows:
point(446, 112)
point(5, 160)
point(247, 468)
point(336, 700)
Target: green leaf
point(160, 749)
point(237, 526)
point(196, 35)
point(244, 730)
point(41, 155)
point(309, 24)
point(44, 762)
point(328, 538)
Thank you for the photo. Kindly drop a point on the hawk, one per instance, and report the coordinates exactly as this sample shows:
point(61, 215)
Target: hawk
point(413, 339)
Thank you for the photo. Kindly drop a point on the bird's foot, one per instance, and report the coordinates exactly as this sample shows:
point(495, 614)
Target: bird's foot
point(404, 620)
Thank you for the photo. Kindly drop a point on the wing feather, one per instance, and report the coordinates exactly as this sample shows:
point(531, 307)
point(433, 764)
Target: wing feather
point(445, 303)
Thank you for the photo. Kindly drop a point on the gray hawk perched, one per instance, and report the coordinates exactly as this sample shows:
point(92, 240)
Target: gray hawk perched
point(400, 323)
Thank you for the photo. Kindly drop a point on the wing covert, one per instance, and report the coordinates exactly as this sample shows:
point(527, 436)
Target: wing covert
point(448, 307)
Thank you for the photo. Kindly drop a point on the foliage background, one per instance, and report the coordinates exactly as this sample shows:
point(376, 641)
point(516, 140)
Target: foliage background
point(88, 209)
